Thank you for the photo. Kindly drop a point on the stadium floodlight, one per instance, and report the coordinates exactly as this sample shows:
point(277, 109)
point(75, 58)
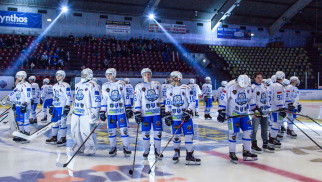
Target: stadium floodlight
point(64, 9)
point(151, 16)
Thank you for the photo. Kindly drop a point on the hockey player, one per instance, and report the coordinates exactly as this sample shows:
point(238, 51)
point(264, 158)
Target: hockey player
point(196, 92)
point(260, 96)
point(85, 112)
point(118, 107)
point(277, 104)
point(46, 96)
point(220, 89)
point(60, 109)
point(22, 93)
point(164, 88)
point(35, 99)
point(129, 91)
point(147, 111)
point(234, 101)
point(179, 107)
point(207, 97)
point(293, 106)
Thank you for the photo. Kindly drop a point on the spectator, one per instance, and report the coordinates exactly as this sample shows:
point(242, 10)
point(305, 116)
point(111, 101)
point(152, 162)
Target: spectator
point(44, 59)
point(85, 38)
point(60, 62)
point(71, 37)
point(105, 62)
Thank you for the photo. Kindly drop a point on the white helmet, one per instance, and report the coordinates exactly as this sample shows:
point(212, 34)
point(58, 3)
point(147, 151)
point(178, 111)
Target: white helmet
point(267, 82)
point(285, 82)
point(33, 78)
point(263, 81)
point(63, 74)
point(192, 81)
point(111, 71)
point(273, 79)
point(208, 78)
point(295, 78)
point(146, 70)
point(89, 74)
point(46, 81)
point(176, 74)
point(23, 74)
point(243, 81)
point(280, 75)
point(127, 80)
point(224, 83)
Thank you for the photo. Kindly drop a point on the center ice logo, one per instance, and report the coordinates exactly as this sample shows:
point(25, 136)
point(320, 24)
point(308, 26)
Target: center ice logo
point(79, 95)
point(151, 95)
point(115, 95)
point(177, 101)
point(263, 98)
point(241, 98)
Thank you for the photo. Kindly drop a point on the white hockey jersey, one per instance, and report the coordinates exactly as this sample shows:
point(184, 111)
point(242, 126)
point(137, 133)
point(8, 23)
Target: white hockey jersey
point(288, 95)
point(21, 94)
point(195, 90)
point(129, 91)
point(35, 91)
point(46, 92)
point(114, 98)
point(179, 99)
point(148, 98)
point(87, 98)
point(295, 95)
point(219, 92)
point(62, 95)
point(164, 89)
point(260, 96)
point(236, 100)
point(207, 90)
point(278, 96)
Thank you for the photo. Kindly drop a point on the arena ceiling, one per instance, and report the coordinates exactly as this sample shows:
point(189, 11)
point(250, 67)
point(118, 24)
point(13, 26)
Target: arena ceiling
point(261, 13)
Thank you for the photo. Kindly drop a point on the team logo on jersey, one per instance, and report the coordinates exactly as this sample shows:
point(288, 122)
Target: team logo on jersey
point(107, 90)
point(182, 93)
point(158, 123)
point(115, 96)
point(151, 95)
point(153, 105)
point(241, 98)
point(143, 89)
point(263, 98)
point(234, 92)
point(79, 95)
point(249, 122)
point(237, 125)
point(121, 120)
point(111, 105)
point(177, 101)
point(145, 123)
point(189, 127)
point(148, 106)
point(258, 93)
point(112, 121)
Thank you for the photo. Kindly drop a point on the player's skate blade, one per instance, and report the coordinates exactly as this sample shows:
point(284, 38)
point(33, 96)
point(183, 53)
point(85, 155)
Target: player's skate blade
point(247, 156)
point(233, 158)
point(113, 152)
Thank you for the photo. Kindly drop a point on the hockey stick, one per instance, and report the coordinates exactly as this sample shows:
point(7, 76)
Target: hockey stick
point(136, 142)
point(58, 164)
point(4, 114)
point(39, 112)
point(310, 119)
point(304, 133)
point(238, 116)
point(4, 119)
point(307, 126)
point(156, 160)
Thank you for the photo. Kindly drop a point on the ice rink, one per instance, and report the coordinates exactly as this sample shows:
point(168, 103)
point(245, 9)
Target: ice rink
point(297, 160)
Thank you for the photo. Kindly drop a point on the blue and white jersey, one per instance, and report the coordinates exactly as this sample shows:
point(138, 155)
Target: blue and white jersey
point(87, 98)
point(278, 96)
point(195, 90)
point(164, 89)
point(179, 98)
point(148, 97)
point(62, 95)
point(114, 98)
point(35, 92)
point(294, 95)
point(21, 94)
point(219, 92)
point(288, 95)
point(207, 90)
point(236, 99)
point(261, 99)
point(46, 92)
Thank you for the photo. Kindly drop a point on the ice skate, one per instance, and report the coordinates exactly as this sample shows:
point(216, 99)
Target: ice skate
point(233, 157)
point(248, 156)
point(176, 156)
point(191, 160)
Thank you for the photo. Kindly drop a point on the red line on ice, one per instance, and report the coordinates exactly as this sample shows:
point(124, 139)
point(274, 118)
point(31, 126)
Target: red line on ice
point(267, 168)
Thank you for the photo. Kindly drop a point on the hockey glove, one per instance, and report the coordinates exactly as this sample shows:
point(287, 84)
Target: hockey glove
point(282, 112)
point(66, 110)
point(259, 112)
point(162, 110)
point(299, 108)
point(168, 119)
point(186, 115)
point(32, 102)
point(103, 115)
point(13, 107)
point(23, 108)
point(129, 112)
point(51, 109)
point(138, 117)
point(221, 115)
point(291, 107)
